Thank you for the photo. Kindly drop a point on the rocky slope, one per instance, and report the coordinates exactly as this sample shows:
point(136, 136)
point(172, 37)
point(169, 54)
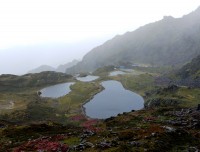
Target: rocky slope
point(188, 75)
point(190, 70)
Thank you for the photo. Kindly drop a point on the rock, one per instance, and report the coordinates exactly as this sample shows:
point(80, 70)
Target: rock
point(39, 93)
point(153, 134)
point(115, 143)
point(193, 149)
point(104, 145)
point(169, 129)
point(135, 143)
point(2, 126)
point(80, 147)
point(89, 145)
point(171, 88)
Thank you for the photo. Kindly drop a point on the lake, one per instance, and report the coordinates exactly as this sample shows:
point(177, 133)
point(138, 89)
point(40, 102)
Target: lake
point(115, 73)
point(88, 78)
point(57, 90)
point(114, 99)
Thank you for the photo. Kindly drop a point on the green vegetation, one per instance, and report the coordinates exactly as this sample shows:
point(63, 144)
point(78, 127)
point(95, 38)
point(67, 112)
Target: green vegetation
point(170, 120)
point(15, 83)
point(190, 70)
point(104, 71)
point(137, 83)
point(24, 105)
point(81, 93)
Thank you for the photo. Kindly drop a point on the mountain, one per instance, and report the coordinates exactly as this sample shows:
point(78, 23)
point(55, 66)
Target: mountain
point(190, 70)
point(42, 68)
point(187, 75)
point(170, 41)
point(62, 68)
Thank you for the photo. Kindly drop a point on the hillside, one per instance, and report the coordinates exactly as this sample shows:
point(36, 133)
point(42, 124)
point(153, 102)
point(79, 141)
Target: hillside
point(190, 70)
point(170, 119)
point(170, 41)
point(171, 122)
point(14, 82)
point(42, 68)
point(62, 68)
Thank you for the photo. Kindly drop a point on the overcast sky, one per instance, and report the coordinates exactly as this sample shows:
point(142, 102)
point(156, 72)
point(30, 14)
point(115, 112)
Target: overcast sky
point(53, 32)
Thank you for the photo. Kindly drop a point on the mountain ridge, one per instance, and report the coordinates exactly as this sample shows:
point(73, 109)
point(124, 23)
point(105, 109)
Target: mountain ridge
point(61, 68)
point(170, 36)
point(42, 68)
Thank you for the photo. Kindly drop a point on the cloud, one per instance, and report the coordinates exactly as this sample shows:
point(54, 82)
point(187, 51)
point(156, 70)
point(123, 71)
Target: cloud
point(29, 22)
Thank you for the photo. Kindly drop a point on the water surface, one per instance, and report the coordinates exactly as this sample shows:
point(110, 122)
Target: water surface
point(112, 101)
point(88, 78)
point(57, 90)
point(115, 73)
point(128, 70)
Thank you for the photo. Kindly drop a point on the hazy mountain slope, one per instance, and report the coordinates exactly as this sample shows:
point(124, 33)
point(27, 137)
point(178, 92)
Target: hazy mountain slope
point(62, 68)
point(190, 70)
point(169, 41)
point(187, 75)
point(42, 68)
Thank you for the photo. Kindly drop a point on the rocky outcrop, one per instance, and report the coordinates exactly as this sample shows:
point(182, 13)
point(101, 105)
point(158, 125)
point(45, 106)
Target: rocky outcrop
point(160, 102)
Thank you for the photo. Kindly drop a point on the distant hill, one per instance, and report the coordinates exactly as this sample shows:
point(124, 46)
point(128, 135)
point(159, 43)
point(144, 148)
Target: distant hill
point(62, 68)
point(170, 41)
point(12, 82)
point(42, 68)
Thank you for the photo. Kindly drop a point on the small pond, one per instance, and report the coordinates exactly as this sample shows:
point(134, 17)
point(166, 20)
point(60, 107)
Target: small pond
point(114, 99)
point(128, 70)
point(88, 78)
point(57, 90)
point(115, 73)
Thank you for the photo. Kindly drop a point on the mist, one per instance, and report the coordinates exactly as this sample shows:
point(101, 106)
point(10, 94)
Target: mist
point(41, 32)
point(20, 60)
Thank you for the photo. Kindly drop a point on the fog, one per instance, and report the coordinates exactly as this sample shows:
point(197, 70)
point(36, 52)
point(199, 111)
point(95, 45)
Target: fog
point(20, 60)
point(54, 32)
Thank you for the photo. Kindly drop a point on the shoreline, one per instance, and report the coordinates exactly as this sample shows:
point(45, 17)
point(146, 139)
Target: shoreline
point(83, 112)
